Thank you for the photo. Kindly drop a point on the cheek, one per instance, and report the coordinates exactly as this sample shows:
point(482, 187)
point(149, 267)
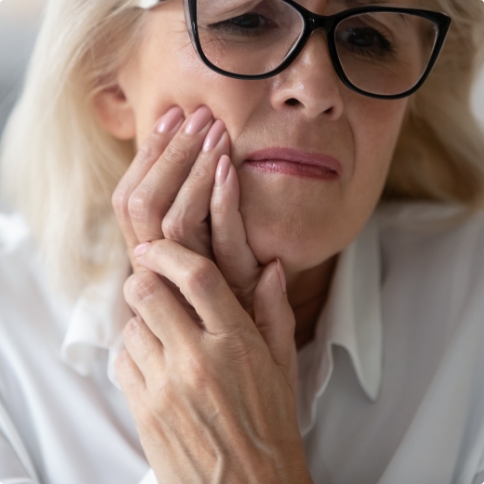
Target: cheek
point(169, 72)
point(376, 126)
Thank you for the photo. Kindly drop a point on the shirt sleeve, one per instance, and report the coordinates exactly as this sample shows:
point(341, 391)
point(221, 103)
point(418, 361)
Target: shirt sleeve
point(149, 478)
point(479, 477)
point(12, 470)
point(16, 466)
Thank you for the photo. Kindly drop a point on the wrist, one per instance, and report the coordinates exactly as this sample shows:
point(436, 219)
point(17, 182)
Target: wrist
point(294, 469)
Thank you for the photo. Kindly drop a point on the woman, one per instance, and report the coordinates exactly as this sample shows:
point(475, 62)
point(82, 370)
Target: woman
point(300, 300)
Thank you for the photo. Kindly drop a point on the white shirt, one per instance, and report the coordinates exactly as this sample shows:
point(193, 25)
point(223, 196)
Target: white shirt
point(391, 390)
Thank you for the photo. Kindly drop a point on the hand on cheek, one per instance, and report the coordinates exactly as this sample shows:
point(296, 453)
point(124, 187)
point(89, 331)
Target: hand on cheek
point(167, 193)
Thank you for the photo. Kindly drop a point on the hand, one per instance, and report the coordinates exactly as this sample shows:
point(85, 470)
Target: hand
point(167, 193)
point(214, 403)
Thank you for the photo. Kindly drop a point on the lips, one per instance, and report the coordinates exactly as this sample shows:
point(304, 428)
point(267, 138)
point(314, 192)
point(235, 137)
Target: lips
point(295, 162)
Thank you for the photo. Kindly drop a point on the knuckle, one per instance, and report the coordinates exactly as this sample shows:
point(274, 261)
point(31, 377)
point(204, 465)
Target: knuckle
point(218, 209)
point(174, 227)
point(163, 397)
point(146, 154)
point(128, 329)
point(196, 371)
point(242, 352)
point(176, 152)
point(200, 172)
point(245, 349)
point(203, 275)
point(141, 286)
point(163, 393)
point(139, 205)
point(225, 250)
point(119, 201)
point(120, 362)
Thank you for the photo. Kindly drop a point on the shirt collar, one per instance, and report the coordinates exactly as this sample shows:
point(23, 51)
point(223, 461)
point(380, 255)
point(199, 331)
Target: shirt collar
point(96, 322)
point(350, 318)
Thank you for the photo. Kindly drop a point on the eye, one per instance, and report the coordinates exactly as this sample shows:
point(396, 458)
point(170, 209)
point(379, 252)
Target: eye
point(247, 24)
point(250, 21)
point(365, 40)
point(365, 37)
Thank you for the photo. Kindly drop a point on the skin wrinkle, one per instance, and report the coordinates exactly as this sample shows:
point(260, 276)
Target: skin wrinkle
point(221, 469)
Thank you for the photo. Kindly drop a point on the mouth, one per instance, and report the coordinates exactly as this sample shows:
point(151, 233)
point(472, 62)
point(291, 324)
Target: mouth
point(297, 163)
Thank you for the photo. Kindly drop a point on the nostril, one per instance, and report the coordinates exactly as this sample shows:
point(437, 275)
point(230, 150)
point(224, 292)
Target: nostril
point(292, 102)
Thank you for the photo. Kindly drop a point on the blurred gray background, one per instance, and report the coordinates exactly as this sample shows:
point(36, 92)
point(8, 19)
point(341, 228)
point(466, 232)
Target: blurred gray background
point(19, 23)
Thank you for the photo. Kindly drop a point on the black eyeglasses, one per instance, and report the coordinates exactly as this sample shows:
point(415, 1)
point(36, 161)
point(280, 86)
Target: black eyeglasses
point(379, 51)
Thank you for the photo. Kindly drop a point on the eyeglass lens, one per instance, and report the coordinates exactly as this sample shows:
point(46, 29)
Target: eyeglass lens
point(384, 53)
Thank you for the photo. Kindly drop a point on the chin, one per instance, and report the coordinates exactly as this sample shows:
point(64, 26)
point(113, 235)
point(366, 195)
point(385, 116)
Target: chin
point(286, 220)
point(297, 249)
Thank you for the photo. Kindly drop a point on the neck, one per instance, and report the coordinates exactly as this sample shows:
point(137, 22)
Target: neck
point(307, 293)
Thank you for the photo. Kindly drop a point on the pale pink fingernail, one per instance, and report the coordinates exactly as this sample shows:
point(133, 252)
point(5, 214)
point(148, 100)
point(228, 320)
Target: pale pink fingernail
point(198, 120)
point(170, 120)
point(282, 276)
point(214, 135)
point(223, 168)
point(139, 250)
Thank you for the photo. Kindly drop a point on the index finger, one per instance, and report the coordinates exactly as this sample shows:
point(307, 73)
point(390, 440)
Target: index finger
point(149, 152)
point(153, 197)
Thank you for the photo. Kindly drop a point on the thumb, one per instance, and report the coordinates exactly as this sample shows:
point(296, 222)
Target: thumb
point(275, 319)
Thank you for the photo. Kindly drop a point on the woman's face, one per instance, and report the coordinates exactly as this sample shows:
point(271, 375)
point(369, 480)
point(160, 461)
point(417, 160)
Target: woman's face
point(302, 220)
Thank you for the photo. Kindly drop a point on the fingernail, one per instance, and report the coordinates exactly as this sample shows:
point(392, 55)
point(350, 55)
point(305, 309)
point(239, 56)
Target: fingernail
point(214, 135)
point(282, 276)
point(139, 250)
point(198, 120)
point(223, 168)
point(170, 120)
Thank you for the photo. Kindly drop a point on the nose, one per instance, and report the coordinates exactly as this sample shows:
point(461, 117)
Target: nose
point(310, 84)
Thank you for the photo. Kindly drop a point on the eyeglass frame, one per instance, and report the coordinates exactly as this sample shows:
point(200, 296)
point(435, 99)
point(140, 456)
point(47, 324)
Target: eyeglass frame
point(328, 24)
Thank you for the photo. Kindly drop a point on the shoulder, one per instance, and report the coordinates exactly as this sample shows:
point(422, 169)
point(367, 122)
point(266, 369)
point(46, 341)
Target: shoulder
point(428, 220)
point(433, 234)
point(432, 260)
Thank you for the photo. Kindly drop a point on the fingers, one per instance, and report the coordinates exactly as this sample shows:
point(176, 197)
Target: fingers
point(167, 189)
point(275, 319)
point(233, 254)
point(145, 349)
point(186, 220)
point(157, 191)
point(200, 282)
point(131, 380)
point(148, 154)
point(159, 308)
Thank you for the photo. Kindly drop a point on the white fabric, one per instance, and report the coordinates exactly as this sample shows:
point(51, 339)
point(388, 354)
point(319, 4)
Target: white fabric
point(148, 3)
point(391, 390)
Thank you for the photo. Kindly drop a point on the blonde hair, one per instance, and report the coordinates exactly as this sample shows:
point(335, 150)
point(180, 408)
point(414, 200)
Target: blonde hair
point(440, 153)
point(59, 167)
